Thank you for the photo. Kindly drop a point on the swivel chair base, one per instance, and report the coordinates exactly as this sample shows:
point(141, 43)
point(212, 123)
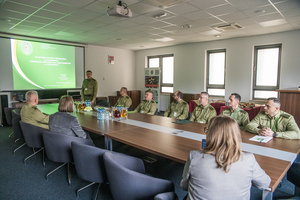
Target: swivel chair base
point(87, 187)
point(69, 173)
point(35, 152)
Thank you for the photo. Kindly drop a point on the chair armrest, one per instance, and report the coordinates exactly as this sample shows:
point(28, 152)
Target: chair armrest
point(166, 196)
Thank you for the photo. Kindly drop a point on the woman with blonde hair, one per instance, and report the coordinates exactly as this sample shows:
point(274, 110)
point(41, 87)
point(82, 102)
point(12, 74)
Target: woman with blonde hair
point(221, 170)
point(63, 122)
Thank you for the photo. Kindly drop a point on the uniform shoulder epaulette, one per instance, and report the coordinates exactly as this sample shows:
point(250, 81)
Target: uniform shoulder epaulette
point(285, 115)
point(184, 102)
point(152, 101)
point(243, 111)
point(127, 96)
point(211, 107)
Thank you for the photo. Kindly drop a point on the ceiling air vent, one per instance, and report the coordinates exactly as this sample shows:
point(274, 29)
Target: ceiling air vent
point(163, 3)
point(227, 27)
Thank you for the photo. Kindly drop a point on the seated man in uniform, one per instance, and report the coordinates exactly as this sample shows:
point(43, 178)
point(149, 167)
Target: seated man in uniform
point(240, 116)
point(147, 106)
point(273, 122)
point(31, 114)
point(124, 100)
point(204, 112)
point(179, 108)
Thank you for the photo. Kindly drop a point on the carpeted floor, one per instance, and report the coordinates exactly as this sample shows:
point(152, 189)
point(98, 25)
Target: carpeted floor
point(19, 181)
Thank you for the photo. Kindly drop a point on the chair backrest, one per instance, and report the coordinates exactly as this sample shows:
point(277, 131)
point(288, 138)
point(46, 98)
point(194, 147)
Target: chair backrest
point(8, 116)
point(130, 108)
point(156, 112)
point(102, 103)
point(58, 146)
point(17, 127)
point(127, 180)
point(15, 113)
point(32, 135)
point(89, 162)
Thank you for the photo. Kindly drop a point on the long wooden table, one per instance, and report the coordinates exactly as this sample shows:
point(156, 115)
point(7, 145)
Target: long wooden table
point(177, 148)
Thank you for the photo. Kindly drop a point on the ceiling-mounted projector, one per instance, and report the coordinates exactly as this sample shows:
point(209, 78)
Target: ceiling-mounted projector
point(120, 11)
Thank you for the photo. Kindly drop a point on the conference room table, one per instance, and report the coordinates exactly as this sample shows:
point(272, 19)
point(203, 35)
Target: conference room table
point(160, 136)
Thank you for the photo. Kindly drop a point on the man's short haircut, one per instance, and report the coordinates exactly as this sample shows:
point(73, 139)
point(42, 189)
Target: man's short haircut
point(124, 88)
point(276, 100)
point(205, 93)
point(179, 94)
point(237, 96)
point(88, 71)
point(29, 94)
point(66, 103)
point(150, 91)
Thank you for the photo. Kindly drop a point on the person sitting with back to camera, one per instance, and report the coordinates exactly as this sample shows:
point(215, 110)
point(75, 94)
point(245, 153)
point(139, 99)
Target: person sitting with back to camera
point(221, 170)
point(63, 122)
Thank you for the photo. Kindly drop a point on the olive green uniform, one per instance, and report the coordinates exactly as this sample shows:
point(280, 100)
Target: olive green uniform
point(178, 110)
point(89, 90)
point(32, 115)
point(124, 101)
point(148, 107)
point(283, 124)
point(240, 116)
point(203, 114)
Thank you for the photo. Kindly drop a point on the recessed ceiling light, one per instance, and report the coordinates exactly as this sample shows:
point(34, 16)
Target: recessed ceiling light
point(275, 22)
point(259, 11)
point(165, 39)
point(186, 26)
point(217, 36)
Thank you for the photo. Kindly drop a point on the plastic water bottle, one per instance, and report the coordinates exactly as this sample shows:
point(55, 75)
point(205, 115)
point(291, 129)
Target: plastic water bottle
point(103, 113)
point(99, 114)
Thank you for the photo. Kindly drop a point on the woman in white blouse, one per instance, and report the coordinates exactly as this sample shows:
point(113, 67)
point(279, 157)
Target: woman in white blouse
point(221, 170)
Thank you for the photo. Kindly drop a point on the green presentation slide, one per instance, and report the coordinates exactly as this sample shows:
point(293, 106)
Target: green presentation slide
point(39, 65)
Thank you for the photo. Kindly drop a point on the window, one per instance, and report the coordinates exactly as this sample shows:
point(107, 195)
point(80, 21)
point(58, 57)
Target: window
point(166, 62)
point(215, 82)
point(266, 71)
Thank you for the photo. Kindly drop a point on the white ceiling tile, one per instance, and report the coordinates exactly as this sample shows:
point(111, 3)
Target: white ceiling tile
point(108, 19)
point(128, 31)
point(159, 24)
point(197, 15)
point(295, 19)
point(98, 7)
point(94, 23)
point(11, 6)
point(204, 4)
point(60, 8)
point(222, 9)
point(12, 14)
point(177, 20)
point(247, 4)
point(73, 19)
point(86, 14)
point(63, 23)
point(291, 13)
point(33, 3)
point(142, 28)
point(287, 5)
point(115, 2)
point(142, 8)
point(267, 10)
point(77, 3)
point(48, 14)
point(126, 23)
point(267, 17)
point(156, 31)
point(41, 20)
point(112, 28)
point(182, 8)
point(142, 19)
point(245, 22)
point(209, 22)
point(232, 17)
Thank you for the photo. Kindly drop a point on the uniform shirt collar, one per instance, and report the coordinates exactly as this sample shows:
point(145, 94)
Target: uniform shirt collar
point(275, 117)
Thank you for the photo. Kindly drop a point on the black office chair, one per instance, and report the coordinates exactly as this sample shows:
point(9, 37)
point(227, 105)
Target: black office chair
point(8, 116)
point(33, 138)
point(102, 103)
point(156, 112)
point(89, 164)
point(130, 108)
point(127, 179)
point(293, 176)
point(58, 149)
point(17, 128)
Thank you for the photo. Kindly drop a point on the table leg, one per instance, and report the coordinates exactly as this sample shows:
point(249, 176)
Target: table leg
point(267, 195)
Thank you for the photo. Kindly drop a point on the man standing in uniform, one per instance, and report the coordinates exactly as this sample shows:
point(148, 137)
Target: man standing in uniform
point(124, 100)
point(147, 106)
point(179, 108)
point(89, 88)
point(240, 116)
point(31, 114)
point(273, 122)
point(204, 112)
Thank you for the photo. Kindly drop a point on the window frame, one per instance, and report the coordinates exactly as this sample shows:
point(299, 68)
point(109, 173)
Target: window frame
point(265, 88)
point(208, 86)
point(161, 66)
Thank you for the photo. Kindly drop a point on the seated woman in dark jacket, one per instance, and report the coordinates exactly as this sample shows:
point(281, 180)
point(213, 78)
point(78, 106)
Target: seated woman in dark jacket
point(63, 122)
